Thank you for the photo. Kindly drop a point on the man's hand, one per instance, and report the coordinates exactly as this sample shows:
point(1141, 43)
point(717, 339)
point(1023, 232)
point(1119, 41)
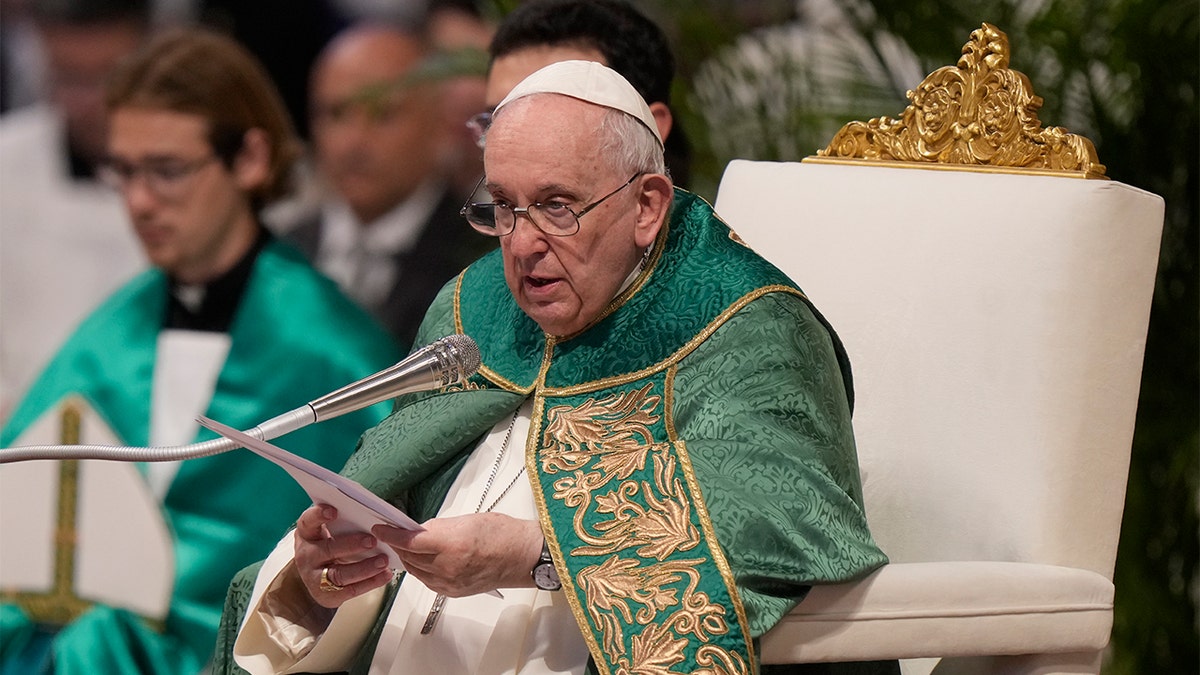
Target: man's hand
point(466, 555)
point(347, 561)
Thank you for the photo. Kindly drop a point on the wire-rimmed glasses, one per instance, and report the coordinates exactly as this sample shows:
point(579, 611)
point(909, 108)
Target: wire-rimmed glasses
point(556, 219)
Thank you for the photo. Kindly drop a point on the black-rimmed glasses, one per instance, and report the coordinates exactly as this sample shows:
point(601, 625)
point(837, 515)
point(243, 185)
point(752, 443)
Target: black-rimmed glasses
point(553, 218)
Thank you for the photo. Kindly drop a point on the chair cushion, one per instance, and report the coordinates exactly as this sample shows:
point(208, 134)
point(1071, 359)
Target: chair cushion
point(913, 610)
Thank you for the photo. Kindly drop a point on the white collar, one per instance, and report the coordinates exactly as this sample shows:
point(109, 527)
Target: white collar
point(393, 232)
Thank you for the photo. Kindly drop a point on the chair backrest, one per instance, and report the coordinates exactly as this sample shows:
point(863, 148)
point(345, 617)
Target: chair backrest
point(996, 324)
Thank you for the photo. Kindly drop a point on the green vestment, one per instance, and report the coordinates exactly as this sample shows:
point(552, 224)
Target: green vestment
point(294, 338)
point(691, 453)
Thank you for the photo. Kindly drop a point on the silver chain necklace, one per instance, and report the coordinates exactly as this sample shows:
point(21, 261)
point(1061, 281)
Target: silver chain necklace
point(440, 601)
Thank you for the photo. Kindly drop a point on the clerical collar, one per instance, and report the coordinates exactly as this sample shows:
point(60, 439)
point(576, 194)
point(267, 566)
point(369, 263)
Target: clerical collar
point(211, 306)
point(636, 270)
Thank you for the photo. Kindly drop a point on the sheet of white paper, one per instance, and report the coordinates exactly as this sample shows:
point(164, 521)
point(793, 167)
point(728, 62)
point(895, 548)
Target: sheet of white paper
point(358, 508)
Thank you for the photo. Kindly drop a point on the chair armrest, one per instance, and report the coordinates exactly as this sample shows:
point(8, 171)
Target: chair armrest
point(937, 609)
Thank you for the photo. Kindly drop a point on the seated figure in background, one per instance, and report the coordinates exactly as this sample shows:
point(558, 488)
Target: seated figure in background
point(229, 323)
point(611, 32)
point(388, 230)
point(65, 240)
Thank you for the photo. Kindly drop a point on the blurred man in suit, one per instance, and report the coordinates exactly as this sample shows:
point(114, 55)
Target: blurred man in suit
point(389, 232)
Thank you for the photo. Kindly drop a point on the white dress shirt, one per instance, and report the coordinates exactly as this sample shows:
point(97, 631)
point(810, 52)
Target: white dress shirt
point(361, 257)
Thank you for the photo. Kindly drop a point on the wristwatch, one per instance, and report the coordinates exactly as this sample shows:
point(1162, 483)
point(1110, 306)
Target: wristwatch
point(544, 575)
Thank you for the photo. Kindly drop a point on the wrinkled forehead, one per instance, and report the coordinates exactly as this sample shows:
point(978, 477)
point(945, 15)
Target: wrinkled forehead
point(545, 120)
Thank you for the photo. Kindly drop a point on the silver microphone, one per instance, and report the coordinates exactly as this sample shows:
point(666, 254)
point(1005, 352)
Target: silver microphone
point(447, 361)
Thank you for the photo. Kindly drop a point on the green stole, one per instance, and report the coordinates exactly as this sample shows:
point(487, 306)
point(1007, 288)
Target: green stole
point(627, 458)
point(295, 337)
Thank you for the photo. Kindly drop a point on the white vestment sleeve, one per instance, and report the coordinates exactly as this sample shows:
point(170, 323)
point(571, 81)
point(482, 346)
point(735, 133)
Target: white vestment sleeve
point(282, 629)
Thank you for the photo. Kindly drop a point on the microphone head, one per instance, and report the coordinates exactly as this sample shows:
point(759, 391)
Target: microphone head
point(458, 356)
point(447, 361)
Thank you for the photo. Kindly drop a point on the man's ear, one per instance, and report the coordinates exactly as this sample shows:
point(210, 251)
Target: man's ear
point(662, 118)
point(252, 164)
point(654, 206)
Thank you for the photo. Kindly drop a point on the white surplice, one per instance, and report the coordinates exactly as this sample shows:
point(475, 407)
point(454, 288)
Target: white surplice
point(527, 632)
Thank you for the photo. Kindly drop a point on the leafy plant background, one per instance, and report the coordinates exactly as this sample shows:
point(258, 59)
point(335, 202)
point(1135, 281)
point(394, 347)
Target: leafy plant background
point(773, 80)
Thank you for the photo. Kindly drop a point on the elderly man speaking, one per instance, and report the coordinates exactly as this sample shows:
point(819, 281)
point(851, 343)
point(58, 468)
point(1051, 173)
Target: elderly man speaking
point(652, 466)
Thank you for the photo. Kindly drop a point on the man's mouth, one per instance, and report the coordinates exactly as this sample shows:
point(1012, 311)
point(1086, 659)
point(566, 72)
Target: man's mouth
point(152, 235)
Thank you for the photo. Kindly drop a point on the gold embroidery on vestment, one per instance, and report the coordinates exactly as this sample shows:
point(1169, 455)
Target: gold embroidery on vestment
point(599, 448)
point(716, 661)
point(615, 427)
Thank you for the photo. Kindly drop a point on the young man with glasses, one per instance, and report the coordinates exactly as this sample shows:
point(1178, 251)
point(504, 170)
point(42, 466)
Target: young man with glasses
point(229, 323)
point(653, 463)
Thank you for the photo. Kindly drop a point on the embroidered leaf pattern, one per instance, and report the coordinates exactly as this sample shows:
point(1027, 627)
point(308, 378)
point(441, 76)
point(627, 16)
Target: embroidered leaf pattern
point(616, 424)
point(627, 492)
point(716, 661)
point(654, 651)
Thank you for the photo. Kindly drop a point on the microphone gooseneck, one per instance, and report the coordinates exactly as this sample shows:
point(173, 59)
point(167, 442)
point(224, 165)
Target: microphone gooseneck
point(447, 361)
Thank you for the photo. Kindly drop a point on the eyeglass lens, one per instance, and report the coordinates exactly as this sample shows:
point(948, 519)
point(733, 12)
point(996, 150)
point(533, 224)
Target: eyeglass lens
point(164, 177)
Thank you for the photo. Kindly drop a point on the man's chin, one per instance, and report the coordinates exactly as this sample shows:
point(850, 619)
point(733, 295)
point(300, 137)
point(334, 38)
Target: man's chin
point(552, 317)
point(362, 200)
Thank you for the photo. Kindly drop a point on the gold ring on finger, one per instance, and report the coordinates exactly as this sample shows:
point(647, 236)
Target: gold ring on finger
point(326, 584)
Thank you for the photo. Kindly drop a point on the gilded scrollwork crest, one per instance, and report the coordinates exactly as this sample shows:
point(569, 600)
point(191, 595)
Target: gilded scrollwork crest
point(978, 113)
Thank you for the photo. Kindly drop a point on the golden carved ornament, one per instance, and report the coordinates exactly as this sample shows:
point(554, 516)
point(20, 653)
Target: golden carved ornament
point(978, 114)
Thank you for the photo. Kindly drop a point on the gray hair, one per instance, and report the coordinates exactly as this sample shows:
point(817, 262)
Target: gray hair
point(630, 144)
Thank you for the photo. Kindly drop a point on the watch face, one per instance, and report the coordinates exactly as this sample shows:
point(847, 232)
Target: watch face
point(545, 577)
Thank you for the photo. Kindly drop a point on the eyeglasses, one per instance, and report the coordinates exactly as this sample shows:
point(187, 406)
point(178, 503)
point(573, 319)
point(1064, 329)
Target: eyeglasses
point(166, 177)
point(556, 219)
point(479, 125)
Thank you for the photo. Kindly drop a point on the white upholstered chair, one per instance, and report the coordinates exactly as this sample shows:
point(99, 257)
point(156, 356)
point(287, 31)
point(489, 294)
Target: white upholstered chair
point(995, 315)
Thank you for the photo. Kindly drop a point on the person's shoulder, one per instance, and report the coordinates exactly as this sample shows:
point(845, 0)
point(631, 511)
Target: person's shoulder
point(308, 304)
point(133, 309)
point(290, 277)
point(284, 266)
point(140, 290)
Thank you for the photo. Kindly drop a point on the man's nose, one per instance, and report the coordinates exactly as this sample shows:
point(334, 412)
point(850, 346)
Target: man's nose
point(139, 197)
point(360, 125)
point(526, 237)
